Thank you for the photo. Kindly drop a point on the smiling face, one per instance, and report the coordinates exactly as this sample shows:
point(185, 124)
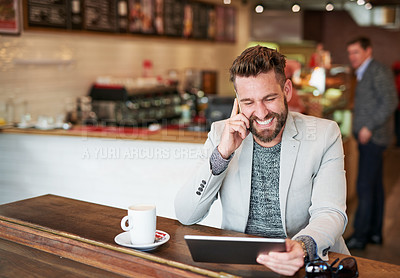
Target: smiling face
point(264, 102)
point(357, 54)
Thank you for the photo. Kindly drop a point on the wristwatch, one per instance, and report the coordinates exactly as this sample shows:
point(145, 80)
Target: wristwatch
point(306, 256)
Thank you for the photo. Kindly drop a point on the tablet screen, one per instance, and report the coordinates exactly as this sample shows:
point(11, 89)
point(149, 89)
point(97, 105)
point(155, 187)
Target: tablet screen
point(233, 250)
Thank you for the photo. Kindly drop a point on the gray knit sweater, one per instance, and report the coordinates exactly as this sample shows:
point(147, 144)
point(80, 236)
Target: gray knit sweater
point(264, 215)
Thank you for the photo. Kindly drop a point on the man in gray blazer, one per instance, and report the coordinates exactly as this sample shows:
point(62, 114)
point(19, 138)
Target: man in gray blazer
point(285, 180)
point(373, 124)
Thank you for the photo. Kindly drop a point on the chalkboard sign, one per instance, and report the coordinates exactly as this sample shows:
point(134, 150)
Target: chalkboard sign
point(225, 23)
point(173, 17)
point(201, 20)
point(47, 13)
point(100, 15)
point(122, 16)
point(230, 22)
point(212, 23)
point(75, 14)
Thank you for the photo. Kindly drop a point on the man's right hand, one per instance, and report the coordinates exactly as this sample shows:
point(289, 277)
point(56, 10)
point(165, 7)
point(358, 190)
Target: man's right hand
point(235, 131)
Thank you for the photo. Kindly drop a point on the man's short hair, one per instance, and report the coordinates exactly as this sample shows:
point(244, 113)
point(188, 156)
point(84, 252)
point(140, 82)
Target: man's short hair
point(363, 41)
point(259, 59)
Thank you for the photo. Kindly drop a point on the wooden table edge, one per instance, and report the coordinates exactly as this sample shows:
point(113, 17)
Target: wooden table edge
point(98, 254)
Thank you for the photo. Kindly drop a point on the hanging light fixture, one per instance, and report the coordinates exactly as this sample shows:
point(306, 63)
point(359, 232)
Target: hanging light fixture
point(296, 8)
point(259, 8)
point(329, 7)
point(368, 6)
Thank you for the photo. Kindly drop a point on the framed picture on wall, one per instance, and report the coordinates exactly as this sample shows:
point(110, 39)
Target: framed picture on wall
point(10, 17)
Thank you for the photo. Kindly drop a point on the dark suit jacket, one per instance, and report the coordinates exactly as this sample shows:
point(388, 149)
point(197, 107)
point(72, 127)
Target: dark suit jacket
point(375, 102)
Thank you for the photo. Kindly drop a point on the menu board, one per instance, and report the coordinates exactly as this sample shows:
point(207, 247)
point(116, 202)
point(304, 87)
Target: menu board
point(100, 15)
point(75, 14)
point(230, 21)
point(212, 23)
point(47, 13)
point(122, 16)
point(220, 23)
point(159, 17)
point(147, 16)
point(141, 16)
point(174, 18)
point(225, 23)
point(187, 20)
point(201, 20)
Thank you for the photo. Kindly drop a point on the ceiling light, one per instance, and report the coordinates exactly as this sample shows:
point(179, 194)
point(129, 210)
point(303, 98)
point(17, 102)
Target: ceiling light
point(259, 8)
point(368, 6)
point(329, 7)
point(295, 8)
point(360, 2)
point(227, 2)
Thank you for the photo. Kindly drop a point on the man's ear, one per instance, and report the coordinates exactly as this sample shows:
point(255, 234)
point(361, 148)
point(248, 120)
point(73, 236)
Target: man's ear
point(369, 51)
point(288, 89)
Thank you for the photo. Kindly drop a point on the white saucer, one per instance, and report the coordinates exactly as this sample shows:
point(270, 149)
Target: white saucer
point(125, 240)
point(25, 125)
point(44, 127)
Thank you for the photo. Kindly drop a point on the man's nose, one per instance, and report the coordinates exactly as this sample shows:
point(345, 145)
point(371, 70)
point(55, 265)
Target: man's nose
point(261, 111)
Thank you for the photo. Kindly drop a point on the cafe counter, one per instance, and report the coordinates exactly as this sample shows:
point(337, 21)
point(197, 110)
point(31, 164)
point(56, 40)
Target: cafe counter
point(101, 165)
point(169, 134)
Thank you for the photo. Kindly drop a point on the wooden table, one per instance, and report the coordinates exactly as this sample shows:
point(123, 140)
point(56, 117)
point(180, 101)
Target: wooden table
point(53, 236)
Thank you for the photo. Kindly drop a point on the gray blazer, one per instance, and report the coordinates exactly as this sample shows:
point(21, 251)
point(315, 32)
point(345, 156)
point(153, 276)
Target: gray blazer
point(375, 103)
point(312, 187)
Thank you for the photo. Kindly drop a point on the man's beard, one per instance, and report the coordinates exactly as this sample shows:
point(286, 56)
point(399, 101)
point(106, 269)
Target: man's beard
point(267, 136)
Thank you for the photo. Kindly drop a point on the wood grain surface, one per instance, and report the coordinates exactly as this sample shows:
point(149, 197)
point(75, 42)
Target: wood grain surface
point(84, 233)
point(164, 135)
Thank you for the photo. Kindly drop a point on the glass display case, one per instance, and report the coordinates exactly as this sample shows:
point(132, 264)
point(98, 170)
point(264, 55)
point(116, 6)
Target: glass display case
point(327, 93)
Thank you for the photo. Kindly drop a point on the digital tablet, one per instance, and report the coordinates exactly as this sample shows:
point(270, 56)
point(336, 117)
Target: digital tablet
point(232, 250)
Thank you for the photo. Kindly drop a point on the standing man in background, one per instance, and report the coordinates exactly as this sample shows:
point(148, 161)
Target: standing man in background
point(374, 105)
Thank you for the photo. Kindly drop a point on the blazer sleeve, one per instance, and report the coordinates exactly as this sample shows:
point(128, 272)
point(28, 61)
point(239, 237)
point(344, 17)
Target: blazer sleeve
point(193, 201)
point(328, 217)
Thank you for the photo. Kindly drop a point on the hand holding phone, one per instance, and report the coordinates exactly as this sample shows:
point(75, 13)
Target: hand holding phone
point(235, 131)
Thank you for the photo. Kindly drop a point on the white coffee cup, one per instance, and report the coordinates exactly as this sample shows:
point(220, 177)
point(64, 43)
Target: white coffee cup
point(141, 223)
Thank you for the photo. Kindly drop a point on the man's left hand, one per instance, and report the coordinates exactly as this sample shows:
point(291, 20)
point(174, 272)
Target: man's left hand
point(364, 135)
point(285, 263)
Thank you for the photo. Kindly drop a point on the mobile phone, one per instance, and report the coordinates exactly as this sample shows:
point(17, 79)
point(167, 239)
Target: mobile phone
point(237, 97)
point(240, 109)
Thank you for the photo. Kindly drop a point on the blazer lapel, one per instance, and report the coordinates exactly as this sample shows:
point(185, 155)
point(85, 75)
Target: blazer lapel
point(289, 151)
point(245, 166)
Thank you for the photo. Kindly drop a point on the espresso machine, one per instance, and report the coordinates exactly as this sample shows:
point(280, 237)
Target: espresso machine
point(117, 106)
